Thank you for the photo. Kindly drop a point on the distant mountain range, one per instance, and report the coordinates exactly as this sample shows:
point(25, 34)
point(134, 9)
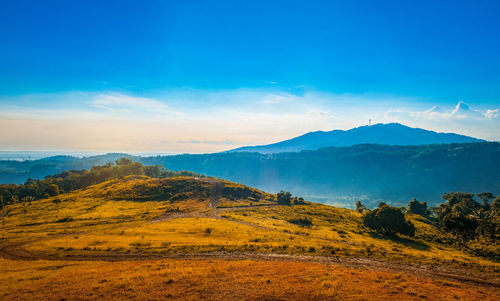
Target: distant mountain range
point(391, 134)
point(335, 175)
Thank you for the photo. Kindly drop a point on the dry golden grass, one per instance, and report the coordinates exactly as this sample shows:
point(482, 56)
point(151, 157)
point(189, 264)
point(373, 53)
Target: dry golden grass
point(220, 280)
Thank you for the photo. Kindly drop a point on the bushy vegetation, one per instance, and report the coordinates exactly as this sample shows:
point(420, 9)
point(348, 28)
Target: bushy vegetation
point(360, 207)
point(466, 218)
point(461, 215)
point(419, 208)
point(77, 179)
point(303, 222)
point(388, 220)
point(286, 198)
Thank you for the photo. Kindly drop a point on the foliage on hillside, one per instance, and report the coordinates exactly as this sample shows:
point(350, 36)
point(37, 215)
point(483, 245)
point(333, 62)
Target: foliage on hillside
point(76, 179)
point(467, 219)
point(388, 220)
point(18, 172)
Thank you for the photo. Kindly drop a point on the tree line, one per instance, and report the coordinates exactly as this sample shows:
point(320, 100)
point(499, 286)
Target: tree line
point(460, 214)
point(77, 179)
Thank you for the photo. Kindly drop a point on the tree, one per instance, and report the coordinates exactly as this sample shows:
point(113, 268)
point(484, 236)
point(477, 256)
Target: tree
point(28, 199)
point(284, 198)
point(460, 202)
point(360, 207)
point(299, 201)
point(485, 197)
point(52, 190)
point(153, 171)
point(488, 223)
point(462, 226)
point(416, 207)
point(123, 161)
point(388, 220)
point(495, 205)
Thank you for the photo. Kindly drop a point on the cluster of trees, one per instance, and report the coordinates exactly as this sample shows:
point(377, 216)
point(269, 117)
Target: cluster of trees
point(77, 179)
point(387, 220)
point(461, 215)
point(18, 172)
point(468, 219)
point(286, 198)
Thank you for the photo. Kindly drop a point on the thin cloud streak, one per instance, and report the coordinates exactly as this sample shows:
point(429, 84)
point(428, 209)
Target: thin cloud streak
point(125, 103)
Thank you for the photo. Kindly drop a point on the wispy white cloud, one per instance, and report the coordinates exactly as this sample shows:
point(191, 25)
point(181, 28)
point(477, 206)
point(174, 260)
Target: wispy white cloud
point(318, 113)
point(274, 98)
point(493, 114)
point(126, 103)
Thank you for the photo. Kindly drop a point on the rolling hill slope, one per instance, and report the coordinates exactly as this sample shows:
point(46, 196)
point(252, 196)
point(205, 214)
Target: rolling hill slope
point(153, 228)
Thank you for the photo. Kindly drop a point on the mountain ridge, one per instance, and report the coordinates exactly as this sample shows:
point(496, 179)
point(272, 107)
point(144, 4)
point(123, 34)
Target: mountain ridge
point(390, 134)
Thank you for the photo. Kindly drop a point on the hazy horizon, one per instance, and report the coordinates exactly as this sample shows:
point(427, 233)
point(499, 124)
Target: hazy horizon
point(25, 154)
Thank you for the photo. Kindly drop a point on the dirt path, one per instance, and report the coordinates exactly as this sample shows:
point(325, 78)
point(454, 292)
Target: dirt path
point(212, 213)
point(4, 213)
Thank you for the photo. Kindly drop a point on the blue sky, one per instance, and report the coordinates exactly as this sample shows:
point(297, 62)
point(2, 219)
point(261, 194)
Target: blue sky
point(219, 74)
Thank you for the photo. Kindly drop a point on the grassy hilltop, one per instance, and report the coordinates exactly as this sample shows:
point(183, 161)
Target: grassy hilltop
point(164, 222)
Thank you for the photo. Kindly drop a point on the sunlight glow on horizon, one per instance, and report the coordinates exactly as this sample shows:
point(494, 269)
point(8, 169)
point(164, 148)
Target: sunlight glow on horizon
point(178, 123)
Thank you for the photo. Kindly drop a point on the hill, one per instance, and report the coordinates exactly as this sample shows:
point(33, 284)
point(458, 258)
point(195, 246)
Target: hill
point(149, 229)
point(391, 134)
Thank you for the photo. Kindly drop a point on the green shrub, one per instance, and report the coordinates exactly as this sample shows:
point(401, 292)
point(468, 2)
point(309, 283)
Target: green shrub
point(388, 220)
point(303, 222)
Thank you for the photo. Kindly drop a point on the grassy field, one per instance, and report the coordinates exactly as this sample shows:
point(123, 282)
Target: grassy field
point(143, 231)
point(220, 280)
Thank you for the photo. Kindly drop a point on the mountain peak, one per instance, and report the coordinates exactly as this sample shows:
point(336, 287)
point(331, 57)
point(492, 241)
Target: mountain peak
point(380, 133)
point(461, 106)
point(435, 109)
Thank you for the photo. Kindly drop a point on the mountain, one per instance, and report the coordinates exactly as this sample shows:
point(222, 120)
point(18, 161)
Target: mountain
point(391, 133)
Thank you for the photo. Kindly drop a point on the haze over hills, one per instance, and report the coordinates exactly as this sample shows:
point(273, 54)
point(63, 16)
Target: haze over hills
point(391, 133)
point(336, 175)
